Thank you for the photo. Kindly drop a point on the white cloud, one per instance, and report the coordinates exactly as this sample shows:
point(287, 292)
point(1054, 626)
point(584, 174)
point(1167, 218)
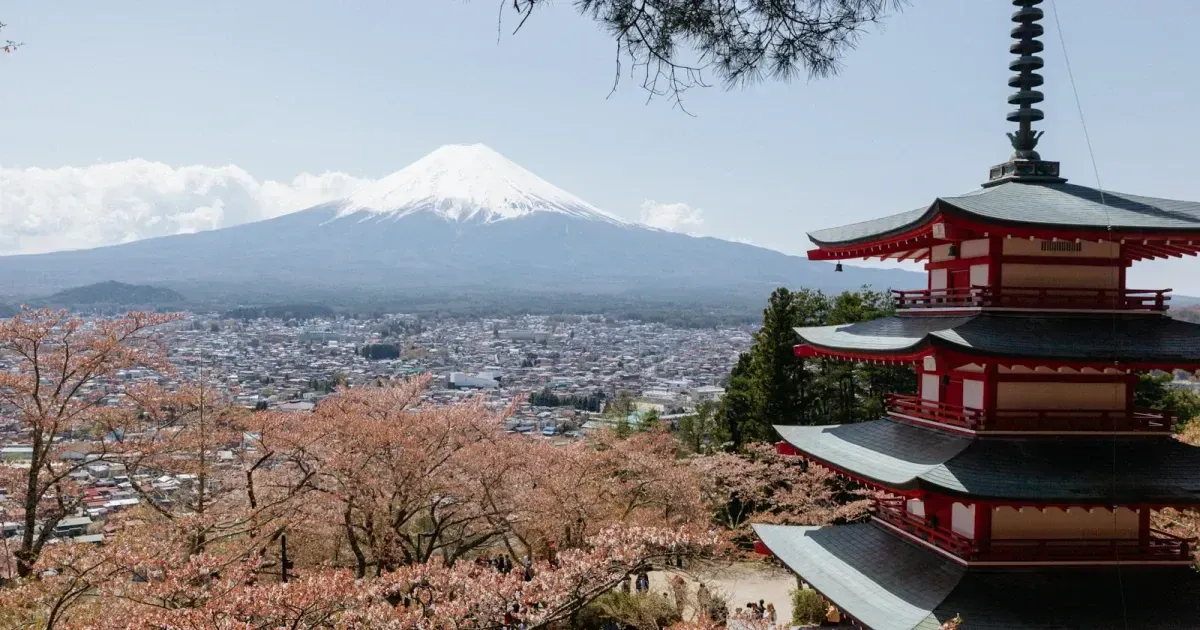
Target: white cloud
point(676, 217)
point(45, 210)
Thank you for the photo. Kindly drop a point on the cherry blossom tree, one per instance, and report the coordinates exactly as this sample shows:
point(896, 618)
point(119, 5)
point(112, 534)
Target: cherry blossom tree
point(386, 499)
point(762, 486)
point(58, 367)
point(410, 481)
point(569, 492)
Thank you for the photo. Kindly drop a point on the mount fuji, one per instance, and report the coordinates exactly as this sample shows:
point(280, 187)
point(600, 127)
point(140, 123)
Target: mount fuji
point(463, 219)
point(469, 183)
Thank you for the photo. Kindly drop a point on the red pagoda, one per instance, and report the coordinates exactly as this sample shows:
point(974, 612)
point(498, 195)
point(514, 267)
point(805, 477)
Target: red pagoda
point(1021, 479)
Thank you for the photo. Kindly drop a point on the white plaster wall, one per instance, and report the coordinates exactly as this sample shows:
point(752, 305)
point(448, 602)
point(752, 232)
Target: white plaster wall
point(972, 393)
point(979, 275)
point(1060, 276)
point(937, 279)
point(939, 253)
point(974, 248)
point(1009, 523)
point(931, 387)
point(1026, 247)
point(916, 507)
point(1059, 395)
point(962, 519)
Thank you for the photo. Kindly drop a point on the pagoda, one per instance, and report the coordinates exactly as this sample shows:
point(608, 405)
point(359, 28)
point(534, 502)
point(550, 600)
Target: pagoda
point(1017, 485)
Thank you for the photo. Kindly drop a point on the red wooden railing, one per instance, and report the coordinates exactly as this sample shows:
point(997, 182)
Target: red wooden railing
point(943, 413)
point(894, 512)
point(1041, 298)
point(1160, 545)
point(1148, 420)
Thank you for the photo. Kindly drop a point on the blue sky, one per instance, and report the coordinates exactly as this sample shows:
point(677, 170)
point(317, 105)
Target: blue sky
point(281, 88)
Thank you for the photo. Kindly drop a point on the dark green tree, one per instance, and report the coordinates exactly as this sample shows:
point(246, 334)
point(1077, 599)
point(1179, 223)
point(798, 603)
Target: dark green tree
point(776, 387)
point(651, 421)
point(700, 432)
point(377, 351)
point(736, 412)
point(621, 427)
point(777, 375)
point(857, 392)
point(621, 406)
point(1154, 391)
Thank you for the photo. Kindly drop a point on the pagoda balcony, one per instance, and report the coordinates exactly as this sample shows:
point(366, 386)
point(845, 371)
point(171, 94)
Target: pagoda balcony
point(891, 510)
point(1159, 546)
point(1020, 298)
point(1030, 420)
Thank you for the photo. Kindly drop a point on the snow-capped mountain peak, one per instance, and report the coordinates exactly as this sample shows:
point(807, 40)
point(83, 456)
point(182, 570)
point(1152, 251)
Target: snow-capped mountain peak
point(468, 183)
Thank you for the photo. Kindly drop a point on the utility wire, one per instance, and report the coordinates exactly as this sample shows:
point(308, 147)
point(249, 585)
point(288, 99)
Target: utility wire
point(1108, 222)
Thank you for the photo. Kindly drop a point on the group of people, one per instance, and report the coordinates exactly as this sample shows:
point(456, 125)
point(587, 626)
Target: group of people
point(641, 583)
point(758, 610)
point(512, 618)
point(504, 564)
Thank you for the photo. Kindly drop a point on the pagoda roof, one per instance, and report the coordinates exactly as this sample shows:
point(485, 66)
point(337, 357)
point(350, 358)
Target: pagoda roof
point(1075, 471)
point(888, 583)
point(1055, 205)
point(1141, 339)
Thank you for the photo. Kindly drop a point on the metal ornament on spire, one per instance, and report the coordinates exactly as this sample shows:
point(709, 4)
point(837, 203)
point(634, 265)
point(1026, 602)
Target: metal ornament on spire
point(1025, 164)
point(1026, 65)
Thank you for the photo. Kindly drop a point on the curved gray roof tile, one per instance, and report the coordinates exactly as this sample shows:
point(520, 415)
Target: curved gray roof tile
point(1133, 338)
point(890, 584)
point(883, 581)
point(1048, 205)
point(890, 453)
point(1086, 470)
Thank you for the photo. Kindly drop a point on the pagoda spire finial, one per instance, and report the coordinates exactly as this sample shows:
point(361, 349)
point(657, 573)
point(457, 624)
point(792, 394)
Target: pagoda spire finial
point(1025, 164)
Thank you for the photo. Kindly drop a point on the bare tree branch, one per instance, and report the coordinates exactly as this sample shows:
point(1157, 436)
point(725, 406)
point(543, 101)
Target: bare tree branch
point(8, 45)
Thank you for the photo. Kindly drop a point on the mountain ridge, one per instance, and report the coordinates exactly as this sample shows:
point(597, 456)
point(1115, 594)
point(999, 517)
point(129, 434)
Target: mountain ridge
point(451, 230)
point(111, 292)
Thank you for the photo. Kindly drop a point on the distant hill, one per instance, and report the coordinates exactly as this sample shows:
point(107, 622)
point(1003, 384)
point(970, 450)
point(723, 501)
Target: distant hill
point(283, 311)
point(1187, 313)
point(1178, 301)
point(114, 293)
point(7, 311)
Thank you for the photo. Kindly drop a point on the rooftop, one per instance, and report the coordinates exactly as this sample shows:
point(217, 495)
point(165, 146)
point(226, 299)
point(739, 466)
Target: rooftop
point(1076, 471)
point(1141, 339)
point(890, 584)
point(1066, 206)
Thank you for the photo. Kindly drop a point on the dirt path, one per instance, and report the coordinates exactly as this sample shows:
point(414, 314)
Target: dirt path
point(740, 583)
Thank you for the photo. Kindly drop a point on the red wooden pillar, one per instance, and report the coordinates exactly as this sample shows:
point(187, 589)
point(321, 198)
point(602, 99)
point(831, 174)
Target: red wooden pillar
point(1143, 526)
point(1123, 264)
point(995, 255)
point(939, 510)
point(983, 526)
point(1131, 380)
point(990, 386)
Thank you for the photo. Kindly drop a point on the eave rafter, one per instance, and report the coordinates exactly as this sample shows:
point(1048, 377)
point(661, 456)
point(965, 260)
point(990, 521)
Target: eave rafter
point(805, 350)
point(911, 244)
point(956, 358)
point(948, 225)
